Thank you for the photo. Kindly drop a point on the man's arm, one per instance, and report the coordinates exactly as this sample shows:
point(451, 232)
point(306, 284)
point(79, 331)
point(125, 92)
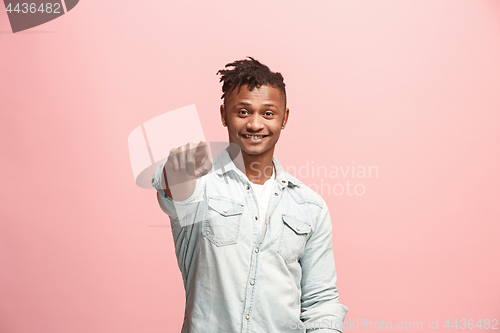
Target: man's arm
point(186, 213)
point(320, 298)
point(180, 183)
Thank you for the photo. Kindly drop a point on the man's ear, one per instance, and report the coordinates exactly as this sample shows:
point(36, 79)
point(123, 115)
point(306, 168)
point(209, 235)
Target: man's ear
point(285, 119)
point(223, 115)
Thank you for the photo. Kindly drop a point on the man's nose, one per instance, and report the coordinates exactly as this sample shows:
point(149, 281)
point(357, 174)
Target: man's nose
point(255, 123)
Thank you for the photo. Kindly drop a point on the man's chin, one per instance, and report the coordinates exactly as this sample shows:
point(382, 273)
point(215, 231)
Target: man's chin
point(253, 152)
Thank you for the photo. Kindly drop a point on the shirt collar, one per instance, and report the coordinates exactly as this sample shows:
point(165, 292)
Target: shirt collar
point(223, 164)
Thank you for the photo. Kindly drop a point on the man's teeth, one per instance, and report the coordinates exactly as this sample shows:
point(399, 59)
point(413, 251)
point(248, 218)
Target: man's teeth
point(254, 136)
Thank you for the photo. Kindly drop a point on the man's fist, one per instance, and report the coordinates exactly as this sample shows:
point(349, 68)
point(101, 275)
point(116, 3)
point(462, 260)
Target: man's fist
point(183, 165)
point(191, 159)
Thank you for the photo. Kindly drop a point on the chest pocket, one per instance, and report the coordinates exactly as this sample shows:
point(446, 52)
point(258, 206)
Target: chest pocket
point(293, 238)
point(223, 221)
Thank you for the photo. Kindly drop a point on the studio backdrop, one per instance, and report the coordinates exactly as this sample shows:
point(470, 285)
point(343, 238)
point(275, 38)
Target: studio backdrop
point(394, 121)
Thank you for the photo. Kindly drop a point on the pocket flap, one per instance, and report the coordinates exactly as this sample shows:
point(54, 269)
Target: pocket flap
point(296, 225)
point(225, 207)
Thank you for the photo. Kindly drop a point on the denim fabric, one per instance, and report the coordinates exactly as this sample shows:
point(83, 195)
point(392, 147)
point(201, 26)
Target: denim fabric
point(238, 280)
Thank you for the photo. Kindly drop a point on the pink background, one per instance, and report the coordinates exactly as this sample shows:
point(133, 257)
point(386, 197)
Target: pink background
point(408, 86)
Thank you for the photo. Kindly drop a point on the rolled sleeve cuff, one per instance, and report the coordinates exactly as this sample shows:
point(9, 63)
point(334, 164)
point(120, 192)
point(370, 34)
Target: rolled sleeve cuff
point(328, 327)
point(157, 180)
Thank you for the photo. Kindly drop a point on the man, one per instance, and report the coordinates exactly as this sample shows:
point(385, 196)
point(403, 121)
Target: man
point(253, 243)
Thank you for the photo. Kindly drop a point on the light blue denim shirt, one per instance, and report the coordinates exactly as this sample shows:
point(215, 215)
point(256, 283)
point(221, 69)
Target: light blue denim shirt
point(238, 279)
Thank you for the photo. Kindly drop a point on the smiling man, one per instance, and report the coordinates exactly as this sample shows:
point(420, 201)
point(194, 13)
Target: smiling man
point(253, 243)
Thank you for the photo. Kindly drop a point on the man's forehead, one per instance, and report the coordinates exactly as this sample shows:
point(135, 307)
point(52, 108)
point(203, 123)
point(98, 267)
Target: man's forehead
point(242, 95)
point(248, 103)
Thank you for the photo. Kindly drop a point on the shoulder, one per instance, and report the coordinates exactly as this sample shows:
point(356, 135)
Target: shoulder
point(302, 193)
point(306, 204)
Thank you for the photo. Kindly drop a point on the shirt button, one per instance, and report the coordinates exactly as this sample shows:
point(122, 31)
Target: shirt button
point(283, 181)
point(247, 317)
point(276, 194)
point(297, 229)
point(225, 210)
point(256, 250)
point(248, 187)
point(252, 282)
point(256, 218)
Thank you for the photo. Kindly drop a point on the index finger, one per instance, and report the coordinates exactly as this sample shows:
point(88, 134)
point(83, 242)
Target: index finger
point(201, 149)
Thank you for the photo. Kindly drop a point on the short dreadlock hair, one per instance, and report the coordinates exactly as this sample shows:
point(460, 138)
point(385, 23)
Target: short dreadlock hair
point(250, 72)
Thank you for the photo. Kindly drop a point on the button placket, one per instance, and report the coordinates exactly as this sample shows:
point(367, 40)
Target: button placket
point(272, 205)
point(252, 204)
point(255, 213)
point(250, 292)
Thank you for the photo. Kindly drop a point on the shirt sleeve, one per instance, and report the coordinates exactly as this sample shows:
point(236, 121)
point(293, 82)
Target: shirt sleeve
point(184, 217)
point(320, 298)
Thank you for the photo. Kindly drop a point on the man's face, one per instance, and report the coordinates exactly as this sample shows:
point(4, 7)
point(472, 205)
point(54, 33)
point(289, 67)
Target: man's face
point(255, 118)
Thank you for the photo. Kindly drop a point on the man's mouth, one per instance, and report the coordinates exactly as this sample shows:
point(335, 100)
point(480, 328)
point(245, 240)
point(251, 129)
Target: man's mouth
point(254, 137)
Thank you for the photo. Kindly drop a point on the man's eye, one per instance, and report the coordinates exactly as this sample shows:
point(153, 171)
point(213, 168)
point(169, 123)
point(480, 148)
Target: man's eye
point(243, 112)
point(269, 114)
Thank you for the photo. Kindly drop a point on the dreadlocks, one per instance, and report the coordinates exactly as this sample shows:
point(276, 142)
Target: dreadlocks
point(249, 72)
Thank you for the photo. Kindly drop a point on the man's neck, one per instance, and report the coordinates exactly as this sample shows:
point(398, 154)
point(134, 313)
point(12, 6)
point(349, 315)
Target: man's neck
point(258, 168)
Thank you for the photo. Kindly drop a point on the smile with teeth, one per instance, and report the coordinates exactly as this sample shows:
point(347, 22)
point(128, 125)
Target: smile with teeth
point(254, 137)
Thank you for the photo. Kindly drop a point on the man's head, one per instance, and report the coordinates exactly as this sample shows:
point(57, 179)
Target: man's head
point(254, 108)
